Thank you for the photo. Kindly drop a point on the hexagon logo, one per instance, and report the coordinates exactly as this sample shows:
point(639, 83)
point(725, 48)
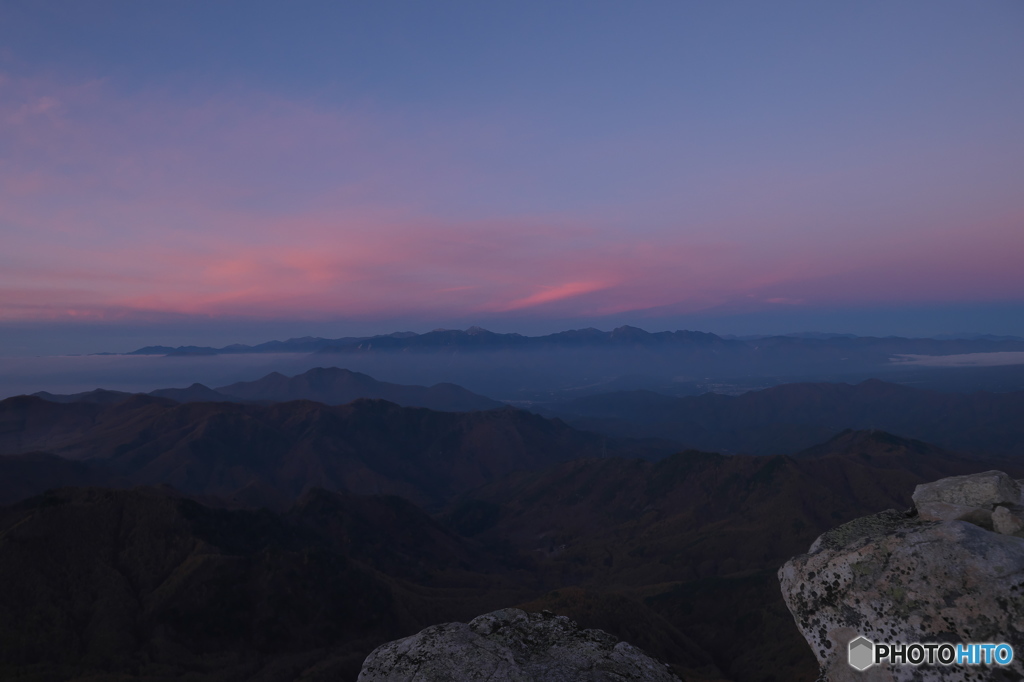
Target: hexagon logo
point(862, 653)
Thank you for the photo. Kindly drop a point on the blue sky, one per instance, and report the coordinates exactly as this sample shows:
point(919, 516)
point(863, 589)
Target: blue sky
point(333, 168)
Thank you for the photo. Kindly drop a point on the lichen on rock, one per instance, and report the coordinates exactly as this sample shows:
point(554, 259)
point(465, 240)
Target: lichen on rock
point(970, 498)
point(901, 578)
point(511, 645)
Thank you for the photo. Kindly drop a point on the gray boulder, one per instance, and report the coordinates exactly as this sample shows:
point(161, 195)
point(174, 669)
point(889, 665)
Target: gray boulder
point(902, 578)
point(511, 645)
point(1009, 520)
point(970, 498)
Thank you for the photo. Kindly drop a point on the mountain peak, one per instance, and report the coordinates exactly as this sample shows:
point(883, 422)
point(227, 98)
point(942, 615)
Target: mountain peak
point(868, 442)
point(337, 386)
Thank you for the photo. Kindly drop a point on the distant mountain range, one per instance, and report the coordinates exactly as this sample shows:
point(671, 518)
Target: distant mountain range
point(536, 369)
point(777, 420)
point(828, 335)
point(476, 338)
point(791, 417)
point(331, 386)
point(306, 344)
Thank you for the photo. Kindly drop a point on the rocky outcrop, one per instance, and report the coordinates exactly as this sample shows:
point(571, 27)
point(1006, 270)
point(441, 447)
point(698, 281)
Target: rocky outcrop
point(966, 498)
point(951, 570)
point(511, 645)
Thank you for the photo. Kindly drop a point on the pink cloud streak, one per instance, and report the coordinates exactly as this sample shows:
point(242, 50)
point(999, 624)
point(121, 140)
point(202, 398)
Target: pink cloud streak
point(244, 204)
point(552, 294)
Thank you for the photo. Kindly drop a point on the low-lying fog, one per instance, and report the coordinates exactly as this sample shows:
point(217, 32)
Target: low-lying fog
point(500, 375)
point(140, 373)
point(517, 377)
point(963, 360)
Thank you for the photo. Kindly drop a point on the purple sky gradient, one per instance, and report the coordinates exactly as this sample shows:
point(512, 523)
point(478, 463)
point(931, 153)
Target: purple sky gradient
point(518, 164)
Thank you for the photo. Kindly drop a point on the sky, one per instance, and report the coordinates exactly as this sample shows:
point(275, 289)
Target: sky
point(209, 173)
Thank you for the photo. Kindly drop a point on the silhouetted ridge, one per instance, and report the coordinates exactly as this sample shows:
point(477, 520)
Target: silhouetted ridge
point(476, 338)
point(872, 442)
point(808, 344)
point(792, 417)
point(331, 385)
point(196, 393)
point(100, 396)
point(268, 455)
point(335, 386)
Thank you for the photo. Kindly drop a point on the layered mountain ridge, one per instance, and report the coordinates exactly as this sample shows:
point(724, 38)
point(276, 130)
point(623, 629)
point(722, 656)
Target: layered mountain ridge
point(284, 540)
point(791, 417)
point(330, 385)
point(269, 454)
point(694, 540)
point(676, 557)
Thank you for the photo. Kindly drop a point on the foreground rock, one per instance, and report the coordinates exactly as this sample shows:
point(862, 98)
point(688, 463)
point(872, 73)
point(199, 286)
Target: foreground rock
point(966, 498)
point(511, 645)
point(902, 578)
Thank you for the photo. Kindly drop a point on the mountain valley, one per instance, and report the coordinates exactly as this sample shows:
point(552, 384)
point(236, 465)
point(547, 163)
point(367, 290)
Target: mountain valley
point(281, 529)
point(284, 541)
